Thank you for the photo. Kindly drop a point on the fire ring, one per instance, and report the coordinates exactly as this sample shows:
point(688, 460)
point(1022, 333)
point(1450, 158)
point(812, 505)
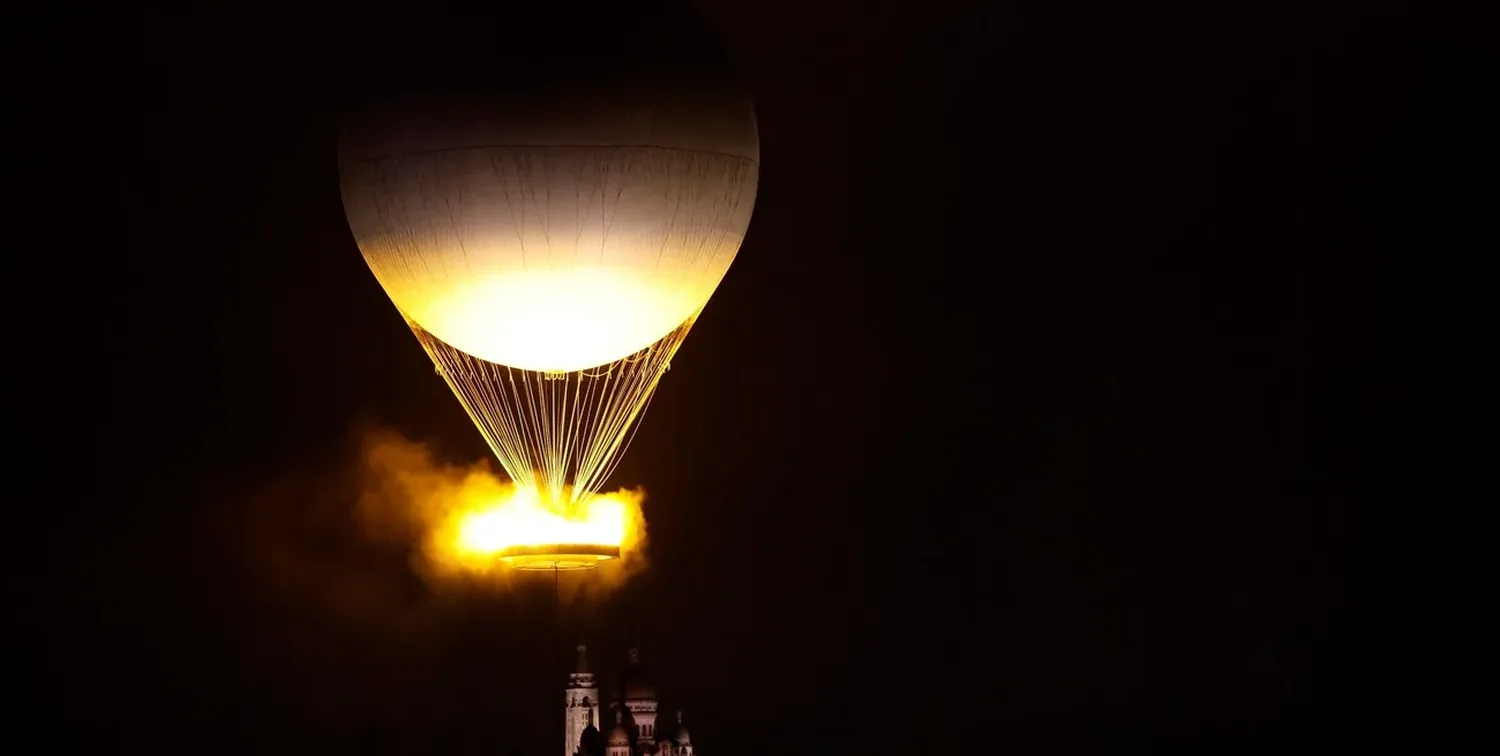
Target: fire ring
point(563, 557)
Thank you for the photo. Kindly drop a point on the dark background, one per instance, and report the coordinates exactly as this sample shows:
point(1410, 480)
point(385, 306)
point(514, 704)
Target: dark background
point(1085, 382)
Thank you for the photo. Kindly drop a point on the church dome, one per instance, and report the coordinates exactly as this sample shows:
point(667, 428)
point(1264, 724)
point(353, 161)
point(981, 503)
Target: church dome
point(637, 689)
point(619, 736)
point(590, 742)
point(682, 732)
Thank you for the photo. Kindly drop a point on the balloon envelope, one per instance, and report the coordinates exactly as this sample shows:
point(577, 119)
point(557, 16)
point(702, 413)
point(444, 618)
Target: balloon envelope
point(550, 198)
point(554, 235)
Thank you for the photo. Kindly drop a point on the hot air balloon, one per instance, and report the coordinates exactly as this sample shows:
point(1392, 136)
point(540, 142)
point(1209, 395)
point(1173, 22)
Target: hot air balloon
point(551, 243)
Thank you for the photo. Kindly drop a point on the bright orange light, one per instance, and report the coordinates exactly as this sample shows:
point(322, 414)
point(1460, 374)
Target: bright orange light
point(487, 529)
point(556, 320)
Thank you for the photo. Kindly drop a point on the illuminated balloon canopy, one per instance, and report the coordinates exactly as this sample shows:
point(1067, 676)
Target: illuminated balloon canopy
point(552, 244)
point(562, 241)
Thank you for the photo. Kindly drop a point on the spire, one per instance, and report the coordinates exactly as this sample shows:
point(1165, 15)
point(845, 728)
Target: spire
point(580, 693)
point(635, 656)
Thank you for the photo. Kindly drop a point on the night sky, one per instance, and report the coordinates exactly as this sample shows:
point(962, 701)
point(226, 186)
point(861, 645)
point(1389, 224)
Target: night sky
point(1082, 384)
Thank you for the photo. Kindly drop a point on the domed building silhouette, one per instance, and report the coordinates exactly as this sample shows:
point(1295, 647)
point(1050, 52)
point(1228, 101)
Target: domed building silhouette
point(633, 729)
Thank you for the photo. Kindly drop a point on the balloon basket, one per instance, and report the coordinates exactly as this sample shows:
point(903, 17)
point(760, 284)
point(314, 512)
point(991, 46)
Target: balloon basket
point(562, 557)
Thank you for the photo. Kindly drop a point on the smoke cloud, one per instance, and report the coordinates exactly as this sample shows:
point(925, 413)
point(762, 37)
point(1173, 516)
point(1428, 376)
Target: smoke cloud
point(410, 496)
point(355, 611)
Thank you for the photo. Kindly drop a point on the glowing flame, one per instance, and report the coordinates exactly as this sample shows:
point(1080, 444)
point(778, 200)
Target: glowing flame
point(479, 533)
point(468, 518)
point(557, 320)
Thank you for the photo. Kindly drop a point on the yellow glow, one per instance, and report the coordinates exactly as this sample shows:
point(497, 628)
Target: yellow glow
point(476, 531)
point(560, 320)
point(465, 517)
point(550, 259)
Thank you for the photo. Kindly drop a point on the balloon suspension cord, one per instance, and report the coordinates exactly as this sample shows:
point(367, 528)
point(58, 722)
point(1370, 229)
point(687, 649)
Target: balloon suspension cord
point(557, 605)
